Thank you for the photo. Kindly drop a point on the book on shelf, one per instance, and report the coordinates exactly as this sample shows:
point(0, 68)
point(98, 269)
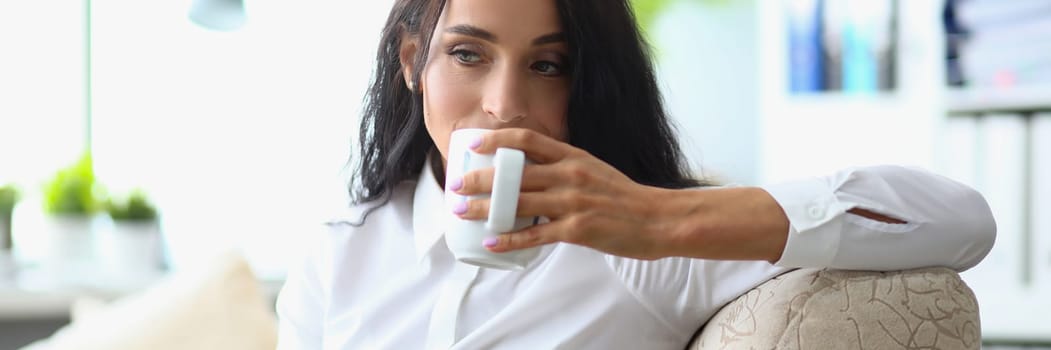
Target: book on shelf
point(1001, 43)
point(805, 61)
point(1040, 212)
point(860, 44)
point(841, 45)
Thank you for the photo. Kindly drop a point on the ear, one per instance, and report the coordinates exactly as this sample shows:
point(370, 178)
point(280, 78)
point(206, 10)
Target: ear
point(407, 55)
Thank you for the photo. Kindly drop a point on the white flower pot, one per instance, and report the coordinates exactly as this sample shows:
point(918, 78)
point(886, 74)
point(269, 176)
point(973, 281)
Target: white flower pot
point(69, 247)
point(131, 253)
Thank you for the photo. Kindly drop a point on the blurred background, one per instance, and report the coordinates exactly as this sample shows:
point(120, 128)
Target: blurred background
point(136, 141)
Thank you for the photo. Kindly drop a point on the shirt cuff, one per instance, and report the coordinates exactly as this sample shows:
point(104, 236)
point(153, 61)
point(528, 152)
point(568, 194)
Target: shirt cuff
point(815, 218)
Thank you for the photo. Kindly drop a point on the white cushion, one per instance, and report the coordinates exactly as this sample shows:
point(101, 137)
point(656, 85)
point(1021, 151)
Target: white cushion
point(221, 307)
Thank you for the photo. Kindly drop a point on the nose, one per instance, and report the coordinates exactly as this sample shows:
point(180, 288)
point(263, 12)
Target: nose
point(504, 98)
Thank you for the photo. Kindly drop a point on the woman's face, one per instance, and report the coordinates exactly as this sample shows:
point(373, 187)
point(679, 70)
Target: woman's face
point(496, 64)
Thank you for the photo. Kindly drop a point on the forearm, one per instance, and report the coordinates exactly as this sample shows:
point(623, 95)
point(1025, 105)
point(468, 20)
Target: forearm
point(739, 223)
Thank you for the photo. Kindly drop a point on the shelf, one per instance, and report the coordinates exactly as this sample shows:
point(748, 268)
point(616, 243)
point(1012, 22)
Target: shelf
point(999, 100)
point(34, 295)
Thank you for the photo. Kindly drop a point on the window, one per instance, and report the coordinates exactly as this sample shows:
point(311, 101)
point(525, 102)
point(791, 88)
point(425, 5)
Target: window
point(41, 89)
point(241, 137)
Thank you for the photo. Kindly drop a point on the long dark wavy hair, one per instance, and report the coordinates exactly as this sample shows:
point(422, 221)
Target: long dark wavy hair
point(615, 109)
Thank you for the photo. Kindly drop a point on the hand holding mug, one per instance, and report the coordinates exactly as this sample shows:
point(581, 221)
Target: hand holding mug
point(591, 203)
point(588, 202)
point(465, 236)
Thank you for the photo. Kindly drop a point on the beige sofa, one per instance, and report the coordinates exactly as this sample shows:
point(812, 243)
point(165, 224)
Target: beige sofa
point(929, 308)
point(223, 307)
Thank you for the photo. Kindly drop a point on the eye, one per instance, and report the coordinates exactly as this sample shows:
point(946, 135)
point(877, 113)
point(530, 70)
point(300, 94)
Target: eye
point(547, 68)
point(466, 56)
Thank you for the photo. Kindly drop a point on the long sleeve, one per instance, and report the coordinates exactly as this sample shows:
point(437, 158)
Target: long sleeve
point(946, 223)
point(300, 305)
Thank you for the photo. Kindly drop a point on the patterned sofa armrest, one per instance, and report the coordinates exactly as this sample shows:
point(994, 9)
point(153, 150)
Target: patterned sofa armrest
point(929, 308)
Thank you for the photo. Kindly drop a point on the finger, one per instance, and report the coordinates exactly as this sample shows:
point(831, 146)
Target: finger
point(533, 236)
point(541, 177)
point(477, 182)
point(475, 209)
point(530, 204)
point(535, 178)
point(537, 147)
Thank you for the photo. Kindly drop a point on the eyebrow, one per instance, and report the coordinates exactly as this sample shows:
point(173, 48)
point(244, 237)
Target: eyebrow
point(469, 30)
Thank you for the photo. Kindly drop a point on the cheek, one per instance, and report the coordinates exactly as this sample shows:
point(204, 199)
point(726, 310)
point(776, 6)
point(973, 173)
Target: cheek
point(447, 101)
point(553, 109)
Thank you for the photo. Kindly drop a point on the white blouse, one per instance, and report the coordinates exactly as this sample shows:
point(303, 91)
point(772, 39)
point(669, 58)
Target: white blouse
point(393, 284)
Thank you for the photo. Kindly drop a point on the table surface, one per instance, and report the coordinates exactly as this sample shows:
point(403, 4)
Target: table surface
point(29, 294)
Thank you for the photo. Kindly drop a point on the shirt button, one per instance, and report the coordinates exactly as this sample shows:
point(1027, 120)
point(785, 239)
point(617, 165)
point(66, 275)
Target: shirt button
point(816, 212)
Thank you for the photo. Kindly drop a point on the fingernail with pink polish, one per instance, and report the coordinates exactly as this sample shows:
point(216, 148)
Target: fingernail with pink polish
point(474, 144)
point(490, 242)
point(456, 184)
point(460, 208)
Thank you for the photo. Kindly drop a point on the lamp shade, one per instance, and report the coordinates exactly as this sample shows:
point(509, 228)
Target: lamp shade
point(224, 15)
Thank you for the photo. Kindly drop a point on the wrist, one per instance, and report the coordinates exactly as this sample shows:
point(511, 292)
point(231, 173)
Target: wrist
point(774, 226)
point(739, 223)
point(684, 216)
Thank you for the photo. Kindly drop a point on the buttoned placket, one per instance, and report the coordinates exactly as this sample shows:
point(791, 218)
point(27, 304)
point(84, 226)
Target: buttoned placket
point(434, 255)
point(441, 333)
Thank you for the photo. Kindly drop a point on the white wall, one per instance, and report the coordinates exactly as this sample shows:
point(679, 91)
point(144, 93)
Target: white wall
point(707, 59)
point(41, 89)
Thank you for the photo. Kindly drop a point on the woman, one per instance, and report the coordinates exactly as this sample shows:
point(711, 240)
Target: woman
point(633, 256)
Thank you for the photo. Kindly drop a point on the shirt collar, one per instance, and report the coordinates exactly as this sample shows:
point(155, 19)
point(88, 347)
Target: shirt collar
point(428, 211)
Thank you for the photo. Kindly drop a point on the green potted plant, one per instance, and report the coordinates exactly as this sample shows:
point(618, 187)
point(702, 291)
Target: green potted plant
point(132, 250)
point(8, 198)
point(71, 202)
point(133, 208)
point(72, 191)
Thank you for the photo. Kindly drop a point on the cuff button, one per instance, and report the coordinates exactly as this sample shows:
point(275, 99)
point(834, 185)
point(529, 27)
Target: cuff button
point(816, 212)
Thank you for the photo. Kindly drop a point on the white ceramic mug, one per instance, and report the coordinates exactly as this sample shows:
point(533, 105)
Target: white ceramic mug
point(465, 237)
